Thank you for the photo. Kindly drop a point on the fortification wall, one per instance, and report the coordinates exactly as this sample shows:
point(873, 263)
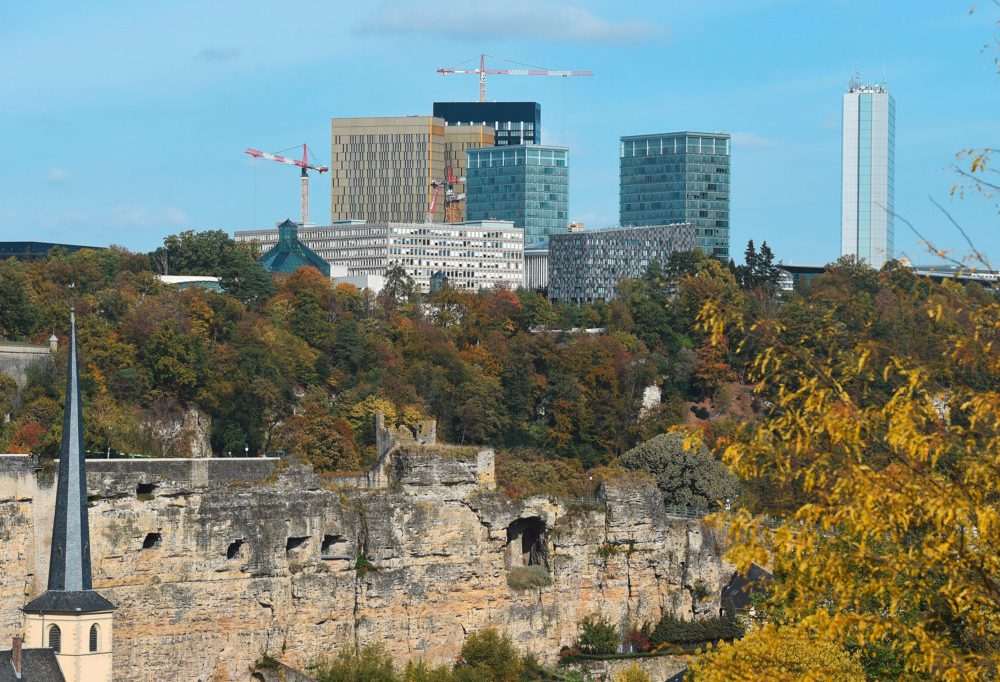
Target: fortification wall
point(15, 358)
point(213, 562)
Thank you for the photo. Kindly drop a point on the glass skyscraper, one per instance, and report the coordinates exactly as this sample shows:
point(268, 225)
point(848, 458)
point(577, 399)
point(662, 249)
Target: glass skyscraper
point(678, 177)
point(867, 193)
point(528, 184)
point(514, 122)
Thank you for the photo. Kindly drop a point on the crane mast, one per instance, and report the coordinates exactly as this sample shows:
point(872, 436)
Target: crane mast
point(303, 164)
point(482, 71)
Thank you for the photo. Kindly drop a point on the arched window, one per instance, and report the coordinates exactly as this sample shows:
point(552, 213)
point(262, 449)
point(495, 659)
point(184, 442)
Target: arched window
point(55, 638)
point(93, 637)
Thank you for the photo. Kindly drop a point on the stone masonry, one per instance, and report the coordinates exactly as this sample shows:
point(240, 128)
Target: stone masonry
point(213, 562)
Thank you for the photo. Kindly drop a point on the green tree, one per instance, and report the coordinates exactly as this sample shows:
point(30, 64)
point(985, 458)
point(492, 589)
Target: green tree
point(369, 664)
point(687, 476)
point(17, 314)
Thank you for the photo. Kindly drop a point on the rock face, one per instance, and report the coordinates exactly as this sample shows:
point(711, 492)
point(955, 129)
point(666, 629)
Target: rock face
point(213, 562)
point(179, 431)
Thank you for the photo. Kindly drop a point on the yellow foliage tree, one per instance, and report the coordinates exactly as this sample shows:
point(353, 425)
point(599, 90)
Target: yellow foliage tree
point(777, 654)
point(897, 458)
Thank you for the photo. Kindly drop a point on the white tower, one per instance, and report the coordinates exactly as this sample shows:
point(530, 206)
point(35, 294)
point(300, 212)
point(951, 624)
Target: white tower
point(867, 195)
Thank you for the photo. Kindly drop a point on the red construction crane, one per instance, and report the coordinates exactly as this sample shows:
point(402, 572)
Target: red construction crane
point(482, 71)
point(303, 164)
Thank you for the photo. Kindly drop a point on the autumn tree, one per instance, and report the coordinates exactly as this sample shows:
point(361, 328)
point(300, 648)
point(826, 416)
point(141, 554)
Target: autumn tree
point(895, 447)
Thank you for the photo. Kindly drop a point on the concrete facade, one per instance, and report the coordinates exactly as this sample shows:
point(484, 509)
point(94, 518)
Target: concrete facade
point(472, 255)
point(585, 267)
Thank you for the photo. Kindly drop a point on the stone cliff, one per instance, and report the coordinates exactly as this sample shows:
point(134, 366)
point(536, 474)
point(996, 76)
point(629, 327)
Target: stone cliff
point(213, 562)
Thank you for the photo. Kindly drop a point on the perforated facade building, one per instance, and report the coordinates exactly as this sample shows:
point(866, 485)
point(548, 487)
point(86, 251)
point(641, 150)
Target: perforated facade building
point(587, 266)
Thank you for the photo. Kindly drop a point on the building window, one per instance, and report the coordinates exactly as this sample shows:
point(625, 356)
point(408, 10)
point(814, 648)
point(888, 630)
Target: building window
point(55, 638)
point(93, 637)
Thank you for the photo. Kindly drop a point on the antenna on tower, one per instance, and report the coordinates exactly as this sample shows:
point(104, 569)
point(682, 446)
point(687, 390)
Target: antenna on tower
point(855, 80)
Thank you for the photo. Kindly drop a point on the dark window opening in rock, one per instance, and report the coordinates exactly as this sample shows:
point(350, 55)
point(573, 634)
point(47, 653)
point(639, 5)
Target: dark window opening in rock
point(152, 540)
point(235, 549)
point(526, 542)
point(145, 489)
point(334, 544)
point(294, 544)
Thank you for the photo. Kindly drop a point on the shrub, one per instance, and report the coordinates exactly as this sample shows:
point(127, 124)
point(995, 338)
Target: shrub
point(370, 664)
point(598, 636)
point(638, 638)
point(632, 674)
point(524, 472)
point(527, 577)
point(778, 653)
point(488, 656)
point(673, 630)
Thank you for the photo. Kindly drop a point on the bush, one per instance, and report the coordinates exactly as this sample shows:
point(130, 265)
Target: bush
point(632, 674)
point(524, 472)
point(689, 478)
point(778, 653)
point(488, 656)
point(675, 631)
point(527, 577)
point(597, 636)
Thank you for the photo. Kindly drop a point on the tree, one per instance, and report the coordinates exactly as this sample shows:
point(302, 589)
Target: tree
point(369, 664)
point(781, 654)
point(687, 477)
point(598, 636)
point(894, 445)
point(398, 287)
point(16, 312)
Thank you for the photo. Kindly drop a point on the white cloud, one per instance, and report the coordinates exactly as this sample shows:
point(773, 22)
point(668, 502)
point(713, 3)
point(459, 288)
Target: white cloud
point(513, 19)
point(57, 174)
point(137, 215)
point(752, 140)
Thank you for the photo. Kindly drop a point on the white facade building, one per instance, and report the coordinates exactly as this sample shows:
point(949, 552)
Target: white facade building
point(472, 255)
point(867, 195)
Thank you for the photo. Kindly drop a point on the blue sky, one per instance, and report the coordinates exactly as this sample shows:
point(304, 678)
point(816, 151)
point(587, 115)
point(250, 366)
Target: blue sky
point(125, 122)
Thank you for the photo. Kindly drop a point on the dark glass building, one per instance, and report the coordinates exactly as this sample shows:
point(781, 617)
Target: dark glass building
point(678, 178)
point(514, 122)
point(526, 184)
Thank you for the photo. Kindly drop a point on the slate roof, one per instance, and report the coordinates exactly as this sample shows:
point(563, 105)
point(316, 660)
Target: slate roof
point(736, 595)
point(61, 601)
point(70, 588)
point(37, 665)
point(289, 254)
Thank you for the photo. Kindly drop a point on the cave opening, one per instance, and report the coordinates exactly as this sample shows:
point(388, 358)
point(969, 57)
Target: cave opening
point(152, 540)
point(333, 545)
point(526, 544)
point(295, 544)
point(145, 489)
point(235, 549)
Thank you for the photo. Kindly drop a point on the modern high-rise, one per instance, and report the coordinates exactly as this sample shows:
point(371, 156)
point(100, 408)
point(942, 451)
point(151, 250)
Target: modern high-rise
point(384, 169)
point(678, 177)
point(867, 191)
point(470, 255)
point(514, 122)
point(526, 184)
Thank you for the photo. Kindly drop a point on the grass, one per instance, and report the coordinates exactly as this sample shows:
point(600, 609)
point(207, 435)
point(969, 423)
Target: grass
point(527, 577)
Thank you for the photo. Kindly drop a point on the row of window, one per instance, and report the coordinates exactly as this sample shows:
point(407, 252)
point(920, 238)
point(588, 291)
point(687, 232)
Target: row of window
point(55, 638)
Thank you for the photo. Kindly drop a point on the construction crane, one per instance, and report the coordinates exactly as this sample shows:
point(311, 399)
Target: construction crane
point(303, 164)
point(482, 71)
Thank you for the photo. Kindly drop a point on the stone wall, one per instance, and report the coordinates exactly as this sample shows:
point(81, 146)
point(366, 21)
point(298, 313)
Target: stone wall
point(213, 562)
point(15, 358)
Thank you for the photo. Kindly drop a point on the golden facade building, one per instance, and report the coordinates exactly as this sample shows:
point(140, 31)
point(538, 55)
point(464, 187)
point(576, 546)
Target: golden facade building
point(384, 169)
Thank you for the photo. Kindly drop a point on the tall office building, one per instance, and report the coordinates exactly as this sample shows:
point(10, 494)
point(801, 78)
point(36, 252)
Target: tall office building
point(867, 193)
point(679, 177)
point(526, 184)
point(383, 168)
point(515, 122)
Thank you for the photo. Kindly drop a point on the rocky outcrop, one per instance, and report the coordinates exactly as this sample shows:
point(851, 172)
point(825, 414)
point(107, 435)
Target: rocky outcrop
point(178, 431)
point(214, 562)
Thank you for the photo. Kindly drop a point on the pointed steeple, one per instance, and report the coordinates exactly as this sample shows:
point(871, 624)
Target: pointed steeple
point(70, 587)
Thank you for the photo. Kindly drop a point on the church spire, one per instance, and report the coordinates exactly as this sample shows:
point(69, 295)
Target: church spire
point(69, 561)
point(70, 586)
